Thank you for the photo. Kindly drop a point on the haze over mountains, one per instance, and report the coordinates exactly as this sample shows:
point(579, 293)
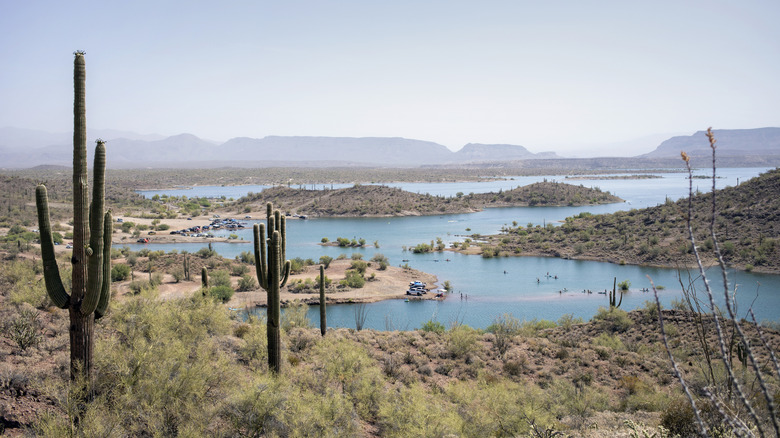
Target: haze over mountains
point(21, 148)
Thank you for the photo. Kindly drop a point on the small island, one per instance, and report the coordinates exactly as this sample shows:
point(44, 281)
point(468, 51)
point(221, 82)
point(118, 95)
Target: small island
point(383, 201)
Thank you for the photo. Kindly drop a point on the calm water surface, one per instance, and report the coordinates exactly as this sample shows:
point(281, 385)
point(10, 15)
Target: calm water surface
point(487, 288)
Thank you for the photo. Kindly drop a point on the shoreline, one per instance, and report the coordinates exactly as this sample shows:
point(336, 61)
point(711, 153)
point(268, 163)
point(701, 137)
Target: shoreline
point(388, 284)
point(476, 250)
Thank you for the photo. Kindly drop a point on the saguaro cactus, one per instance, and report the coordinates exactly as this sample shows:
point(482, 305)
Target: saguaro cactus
point(613, 295)
point(323, 320)
point(186, 268)
point(92, 228)
point(204, 279)
point(273, 270)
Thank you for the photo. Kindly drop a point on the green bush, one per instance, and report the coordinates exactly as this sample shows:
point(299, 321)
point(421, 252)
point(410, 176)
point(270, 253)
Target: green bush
point(246, 282)
point(504, 328)
point(461, 341)
point(360, 266)
point(325, 260)
point(120, 272)
point(220, 278)
point(25, 329)
point(353, 279)
point(239, 270)
point(222, 293)
point(433, 326)
point(613, 319)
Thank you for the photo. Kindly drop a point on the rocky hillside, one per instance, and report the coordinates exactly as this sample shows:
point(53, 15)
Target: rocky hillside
point(748, 217)
point(376, 200)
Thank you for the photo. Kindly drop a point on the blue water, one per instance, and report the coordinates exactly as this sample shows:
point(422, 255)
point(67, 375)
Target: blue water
point(492, 287)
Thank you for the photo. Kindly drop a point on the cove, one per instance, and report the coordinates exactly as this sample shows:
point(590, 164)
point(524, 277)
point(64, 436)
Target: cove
point(487, 291)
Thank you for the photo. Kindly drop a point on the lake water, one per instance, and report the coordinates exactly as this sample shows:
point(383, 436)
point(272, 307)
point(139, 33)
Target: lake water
point(487, 288)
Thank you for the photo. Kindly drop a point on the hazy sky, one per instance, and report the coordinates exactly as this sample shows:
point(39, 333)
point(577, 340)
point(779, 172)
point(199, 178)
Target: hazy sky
point(577, 77)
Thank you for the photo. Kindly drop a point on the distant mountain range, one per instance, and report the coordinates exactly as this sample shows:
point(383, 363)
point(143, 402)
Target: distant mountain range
point(27, 148)
point(730, 142)
point(21, 148)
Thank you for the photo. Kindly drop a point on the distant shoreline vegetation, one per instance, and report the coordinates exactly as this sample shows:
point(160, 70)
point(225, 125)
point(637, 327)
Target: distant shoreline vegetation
point(612, 177)
point(382, 201)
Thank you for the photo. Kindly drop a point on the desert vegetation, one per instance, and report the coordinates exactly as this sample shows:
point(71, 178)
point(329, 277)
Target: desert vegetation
point(746, 221)
point(377, 200)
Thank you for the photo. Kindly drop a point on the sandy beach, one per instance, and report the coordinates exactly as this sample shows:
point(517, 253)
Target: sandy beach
point(391, 283)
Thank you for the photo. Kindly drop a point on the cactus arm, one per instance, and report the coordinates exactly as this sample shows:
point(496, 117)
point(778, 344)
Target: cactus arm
point(105, 290)
point(260, 260)
point(285, 273)
point(51, 272)
point(283, 232)
point(621, 299)
point(95, 263)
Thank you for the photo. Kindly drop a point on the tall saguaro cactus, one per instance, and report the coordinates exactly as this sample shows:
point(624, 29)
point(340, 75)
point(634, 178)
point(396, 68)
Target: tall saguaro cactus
point(323, 314)
point(613, 296)
point(273, 270)
point(92, 228)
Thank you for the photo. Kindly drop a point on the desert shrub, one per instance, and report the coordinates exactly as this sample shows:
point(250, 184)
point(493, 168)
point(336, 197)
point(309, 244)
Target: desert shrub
point(433, 326)
point(461, 341)
point(360, 266)
point(613, 319)
point(348, 365)
point(254, 350)
point(205, 253)
point(296, 265)
point(247, 257)
point(221, 293)
point(501, 408)
point(271, 406)
point(163, 366)
point(220, 278)
point(325, 261)
point(640, 396)
point(576, 402)
point(534, 326)
point(353, 279)
point(246, 282)
point(25, 287)
point(650, 311)
point(568, 320)
point(412, 411)
point(239, 270)
point(504, 328)
point(295, 315)
point(610, 341)
point(177, 273)
point(139, 286)
point(678, 418)
point(381, 260)
point(120, 272)
point(25, 329)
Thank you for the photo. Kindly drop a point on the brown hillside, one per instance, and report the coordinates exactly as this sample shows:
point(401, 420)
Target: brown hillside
point(377, 200)
point(747, 227)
